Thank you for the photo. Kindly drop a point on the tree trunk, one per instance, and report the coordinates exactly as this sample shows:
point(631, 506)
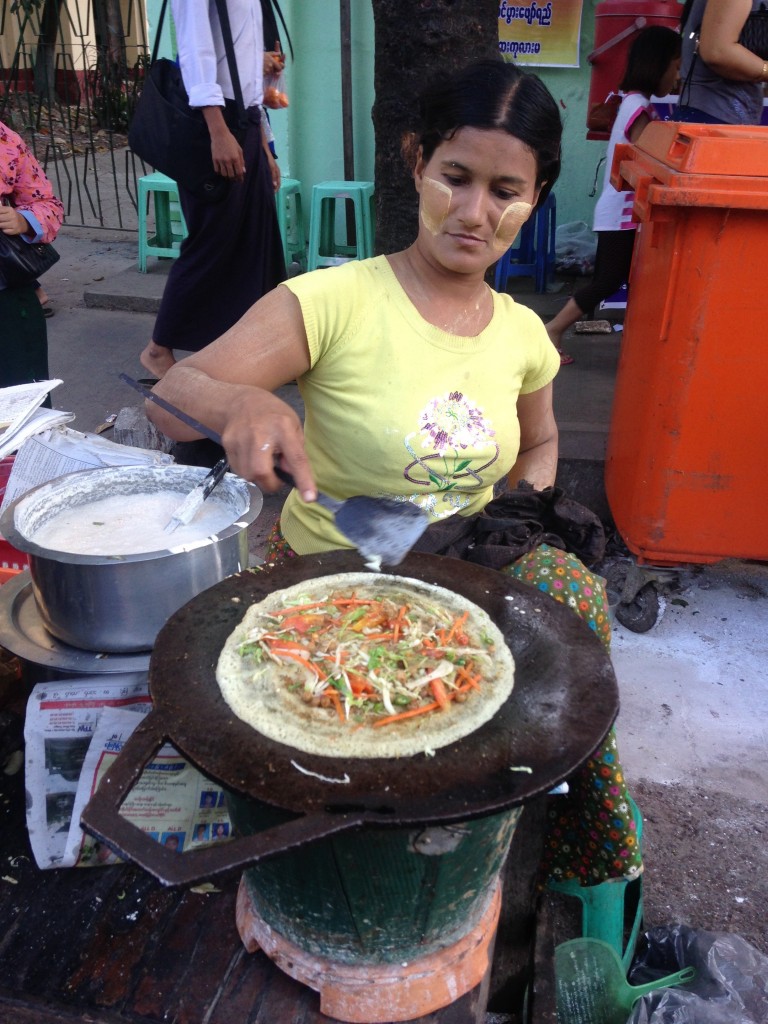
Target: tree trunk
point(414, 40)
point(45, 73)
point(109, 101)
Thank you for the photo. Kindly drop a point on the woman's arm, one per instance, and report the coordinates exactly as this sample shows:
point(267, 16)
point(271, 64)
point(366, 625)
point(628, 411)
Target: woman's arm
point(228, 386)
point(635, 130)
point(537, 458)
point(719, 45)
point(32, 194)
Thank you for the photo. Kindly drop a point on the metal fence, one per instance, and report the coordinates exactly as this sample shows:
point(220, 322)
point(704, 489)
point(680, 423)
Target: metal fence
point(68, 86)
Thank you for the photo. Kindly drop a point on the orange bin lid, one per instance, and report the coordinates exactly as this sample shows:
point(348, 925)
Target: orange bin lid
point(675, 164)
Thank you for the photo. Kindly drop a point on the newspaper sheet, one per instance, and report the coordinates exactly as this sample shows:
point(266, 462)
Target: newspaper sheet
point(21, 415)
point(52, 453)
point(74, 730)
point(172, 801)
point(60, 721)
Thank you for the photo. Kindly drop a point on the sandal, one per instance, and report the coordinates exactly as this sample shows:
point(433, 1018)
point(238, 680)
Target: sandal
point(565, 359)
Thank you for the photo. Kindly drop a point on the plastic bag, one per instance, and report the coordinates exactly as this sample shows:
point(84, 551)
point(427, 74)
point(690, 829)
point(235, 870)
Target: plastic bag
point(730, 987)
point(275, 96)
point(575, 248)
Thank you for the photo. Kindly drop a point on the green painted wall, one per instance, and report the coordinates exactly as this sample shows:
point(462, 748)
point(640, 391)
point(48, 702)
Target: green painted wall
point(308, 133)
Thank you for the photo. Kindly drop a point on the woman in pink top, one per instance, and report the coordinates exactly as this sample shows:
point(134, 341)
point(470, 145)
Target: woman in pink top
point(652, 69)
point(28, 208)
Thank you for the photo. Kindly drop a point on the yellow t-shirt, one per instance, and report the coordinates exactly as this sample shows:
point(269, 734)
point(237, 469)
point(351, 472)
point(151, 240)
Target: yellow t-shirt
point(397, 408)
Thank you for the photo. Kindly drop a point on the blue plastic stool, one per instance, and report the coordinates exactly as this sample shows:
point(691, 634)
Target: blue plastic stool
point(607, 908)
point(330, 201)
point(170, 226)
point(290, 218)
point(534, 253)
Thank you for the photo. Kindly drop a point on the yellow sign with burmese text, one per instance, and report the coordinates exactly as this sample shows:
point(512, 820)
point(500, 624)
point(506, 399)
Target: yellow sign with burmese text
point(541, 34)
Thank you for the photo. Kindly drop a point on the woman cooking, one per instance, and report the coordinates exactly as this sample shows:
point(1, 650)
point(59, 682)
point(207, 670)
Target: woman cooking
point(421, 383)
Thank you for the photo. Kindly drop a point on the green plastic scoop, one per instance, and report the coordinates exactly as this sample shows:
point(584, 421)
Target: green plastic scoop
point(591, 986)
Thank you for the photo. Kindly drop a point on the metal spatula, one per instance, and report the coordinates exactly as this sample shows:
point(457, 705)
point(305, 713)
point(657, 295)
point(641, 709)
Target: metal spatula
point(381, 529)
point(192, 504)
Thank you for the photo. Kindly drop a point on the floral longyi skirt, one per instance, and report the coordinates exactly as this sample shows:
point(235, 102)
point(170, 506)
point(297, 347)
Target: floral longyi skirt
point(592, 834)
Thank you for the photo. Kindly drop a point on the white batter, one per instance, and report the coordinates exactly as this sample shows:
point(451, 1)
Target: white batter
point(127, 524)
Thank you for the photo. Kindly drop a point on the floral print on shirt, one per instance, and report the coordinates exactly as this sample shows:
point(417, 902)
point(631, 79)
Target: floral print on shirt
point(23, 182)
point(449, 425)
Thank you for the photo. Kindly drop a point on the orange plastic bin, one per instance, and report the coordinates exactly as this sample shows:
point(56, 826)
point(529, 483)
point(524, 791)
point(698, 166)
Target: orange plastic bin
point(685, 473)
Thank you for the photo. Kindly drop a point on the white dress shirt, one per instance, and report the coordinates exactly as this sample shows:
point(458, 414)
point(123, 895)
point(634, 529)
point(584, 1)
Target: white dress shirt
point(202, 55)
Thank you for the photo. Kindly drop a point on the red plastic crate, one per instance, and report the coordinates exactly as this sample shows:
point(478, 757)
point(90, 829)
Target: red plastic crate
point(10, 558)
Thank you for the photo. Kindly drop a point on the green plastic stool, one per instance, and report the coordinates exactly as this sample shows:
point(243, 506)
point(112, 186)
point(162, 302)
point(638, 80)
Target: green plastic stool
point(170, 226)
point(609, 909)
point(290, 219)
point(331, 199)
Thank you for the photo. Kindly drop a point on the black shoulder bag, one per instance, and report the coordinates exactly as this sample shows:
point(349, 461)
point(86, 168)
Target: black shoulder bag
point(22, 262)
point(170, 135)
point(754, 35)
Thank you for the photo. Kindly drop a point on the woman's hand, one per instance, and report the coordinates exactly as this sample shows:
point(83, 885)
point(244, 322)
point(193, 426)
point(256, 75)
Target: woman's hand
point(12, 222)
point(263, 431)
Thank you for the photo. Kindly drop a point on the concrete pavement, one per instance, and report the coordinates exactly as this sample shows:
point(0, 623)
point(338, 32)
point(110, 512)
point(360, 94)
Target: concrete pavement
point(694, 690)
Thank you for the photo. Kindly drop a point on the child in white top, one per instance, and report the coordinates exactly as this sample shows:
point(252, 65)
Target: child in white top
point(653, 66)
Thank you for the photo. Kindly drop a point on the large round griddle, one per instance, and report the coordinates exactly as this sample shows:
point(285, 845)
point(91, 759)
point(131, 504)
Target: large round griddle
point(563, 703)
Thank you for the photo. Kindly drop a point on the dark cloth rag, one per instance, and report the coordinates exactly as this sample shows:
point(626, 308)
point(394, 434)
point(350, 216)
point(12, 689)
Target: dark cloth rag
point(515, 523)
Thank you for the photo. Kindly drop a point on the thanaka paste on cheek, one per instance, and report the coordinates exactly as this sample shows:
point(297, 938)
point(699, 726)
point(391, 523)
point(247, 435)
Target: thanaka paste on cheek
point(510, 222)
point(435, 204)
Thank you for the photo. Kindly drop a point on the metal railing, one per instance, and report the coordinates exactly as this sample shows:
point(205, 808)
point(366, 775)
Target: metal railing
point(70, 72)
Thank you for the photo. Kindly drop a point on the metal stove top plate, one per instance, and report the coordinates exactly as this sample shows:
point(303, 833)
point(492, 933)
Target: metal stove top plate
point(22, 633)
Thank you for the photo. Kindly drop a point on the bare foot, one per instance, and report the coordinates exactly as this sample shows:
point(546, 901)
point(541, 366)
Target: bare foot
point(157, 359)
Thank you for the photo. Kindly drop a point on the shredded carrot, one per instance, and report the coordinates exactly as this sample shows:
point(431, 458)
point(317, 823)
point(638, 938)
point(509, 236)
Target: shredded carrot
point(399, 622)
point(458, 623)
point(294, 656)
point(407, 714)
point(288, 645)
point(462, 673)
point(333, 694)
point(439, 693)
point(379, 636)
point(300, 608)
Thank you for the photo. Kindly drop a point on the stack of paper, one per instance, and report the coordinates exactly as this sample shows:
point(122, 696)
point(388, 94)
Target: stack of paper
point(21, 415)
point(53, 452)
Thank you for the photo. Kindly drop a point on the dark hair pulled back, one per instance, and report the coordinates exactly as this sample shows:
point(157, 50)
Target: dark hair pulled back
point(494, 95)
